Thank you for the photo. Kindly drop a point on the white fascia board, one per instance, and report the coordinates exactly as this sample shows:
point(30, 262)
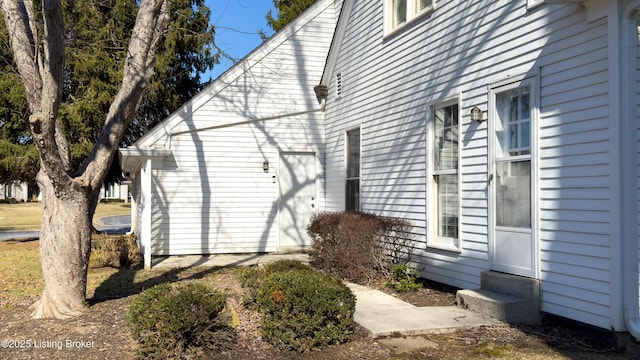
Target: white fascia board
point(336, 42)
point(131, 158)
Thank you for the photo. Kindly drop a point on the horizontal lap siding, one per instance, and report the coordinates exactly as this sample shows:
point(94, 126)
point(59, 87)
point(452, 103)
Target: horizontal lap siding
point(388, 86)
point(575, 176)
point(273, 81)
point(216, 198)
point(465, 47)
point(212, 195)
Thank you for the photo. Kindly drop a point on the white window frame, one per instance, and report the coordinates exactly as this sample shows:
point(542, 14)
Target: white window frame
point(534, 3)
point(433, 240)
point(413, 13)
point(346, 164)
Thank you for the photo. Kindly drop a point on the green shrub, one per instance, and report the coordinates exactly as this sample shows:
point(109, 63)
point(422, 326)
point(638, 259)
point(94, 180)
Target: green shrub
point(404, 277)
point(304, 309)
point(359, 247)
point(171, 321)
point(252, 277)
point(285, 265)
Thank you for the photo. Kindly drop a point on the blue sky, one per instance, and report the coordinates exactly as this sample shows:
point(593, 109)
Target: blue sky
point(238, 23)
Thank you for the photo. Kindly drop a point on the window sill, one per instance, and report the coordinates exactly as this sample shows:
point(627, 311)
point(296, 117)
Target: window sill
point(445, 247)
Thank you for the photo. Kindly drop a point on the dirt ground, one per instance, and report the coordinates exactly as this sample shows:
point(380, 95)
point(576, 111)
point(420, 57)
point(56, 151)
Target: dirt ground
point(102, 333)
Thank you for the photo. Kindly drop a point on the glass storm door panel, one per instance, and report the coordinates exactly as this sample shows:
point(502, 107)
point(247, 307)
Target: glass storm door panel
point(512, 246)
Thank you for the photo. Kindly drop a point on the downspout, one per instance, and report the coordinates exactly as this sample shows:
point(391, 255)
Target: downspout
point(628, 118)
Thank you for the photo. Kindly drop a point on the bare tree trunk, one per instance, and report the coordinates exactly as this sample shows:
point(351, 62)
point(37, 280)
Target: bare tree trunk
point(65, 246)
point(70, 199)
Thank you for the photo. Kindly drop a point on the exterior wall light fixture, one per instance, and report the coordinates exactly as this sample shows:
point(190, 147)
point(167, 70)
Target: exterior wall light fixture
point(265, 166)
point(476, 114)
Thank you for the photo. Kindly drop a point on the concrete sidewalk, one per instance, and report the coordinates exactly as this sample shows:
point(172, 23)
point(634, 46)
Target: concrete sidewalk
point(380, 313)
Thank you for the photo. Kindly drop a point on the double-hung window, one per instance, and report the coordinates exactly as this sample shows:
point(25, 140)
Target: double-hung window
point(352, 201)
point(445, 208)
point(400, 12)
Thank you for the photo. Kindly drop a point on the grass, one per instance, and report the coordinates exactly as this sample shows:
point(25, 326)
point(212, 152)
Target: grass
point(20, 268)
point(21, 282)
point(22, 275)
point(27, 216)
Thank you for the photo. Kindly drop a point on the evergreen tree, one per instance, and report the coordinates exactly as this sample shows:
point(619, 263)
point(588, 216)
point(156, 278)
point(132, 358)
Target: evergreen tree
point(286, 11)
point(96, 39)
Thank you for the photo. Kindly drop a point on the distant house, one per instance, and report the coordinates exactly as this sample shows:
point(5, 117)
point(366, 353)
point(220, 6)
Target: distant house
point(506, 131)
point(15, 191)
point(116, 191)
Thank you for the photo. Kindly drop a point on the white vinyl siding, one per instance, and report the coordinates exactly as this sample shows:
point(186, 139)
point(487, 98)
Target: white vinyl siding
point(575, 176)
point(460, 49)
point(212, 194)
point(222, 201)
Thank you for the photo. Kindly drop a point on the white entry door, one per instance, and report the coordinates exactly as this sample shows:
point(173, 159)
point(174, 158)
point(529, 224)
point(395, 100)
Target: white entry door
point(512, 245)
point(298, 198)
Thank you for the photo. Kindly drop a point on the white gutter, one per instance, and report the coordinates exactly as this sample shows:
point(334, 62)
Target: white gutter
point(629, 234)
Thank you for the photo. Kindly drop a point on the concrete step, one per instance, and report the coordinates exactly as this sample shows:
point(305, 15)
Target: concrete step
point(509, 298)
point(515, 285)
point(508, 308)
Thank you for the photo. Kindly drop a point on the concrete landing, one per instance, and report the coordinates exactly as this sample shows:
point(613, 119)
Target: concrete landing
point(383, 315)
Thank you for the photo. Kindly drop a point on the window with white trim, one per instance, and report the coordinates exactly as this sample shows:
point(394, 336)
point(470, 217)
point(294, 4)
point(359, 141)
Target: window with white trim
point(445, 193)
point(400, 12)
point(352, 191)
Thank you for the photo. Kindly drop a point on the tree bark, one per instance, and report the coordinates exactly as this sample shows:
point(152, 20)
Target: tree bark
point(69, 200)
point(65, 247)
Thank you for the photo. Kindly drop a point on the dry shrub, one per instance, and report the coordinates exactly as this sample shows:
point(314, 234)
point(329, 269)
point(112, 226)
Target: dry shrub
point(175, 321)
point(359, 247)
point(115, 250)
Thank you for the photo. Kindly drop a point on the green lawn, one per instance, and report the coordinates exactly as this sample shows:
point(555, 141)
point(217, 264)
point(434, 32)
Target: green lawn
point(27, 216)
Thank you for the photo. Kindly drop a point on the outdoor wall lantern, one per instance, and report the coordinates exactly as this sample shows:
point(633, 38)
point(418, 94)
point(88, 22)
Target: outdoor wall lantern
point(476, 114)
point(265, 166)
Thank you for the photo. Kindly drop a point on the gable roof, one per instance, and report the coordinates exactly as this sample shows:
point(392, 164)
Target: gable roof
point(245, 65)
point(334, 50)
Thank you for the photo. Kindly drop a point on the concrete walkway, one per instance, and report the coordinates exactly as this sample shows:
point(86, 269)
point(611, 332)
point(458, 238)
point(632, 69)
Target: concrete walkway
point(380, 313)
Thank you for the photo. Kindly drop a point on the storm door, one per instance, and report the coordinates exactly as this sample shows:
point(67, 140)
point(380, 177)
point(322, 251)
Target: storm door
point(512, 241)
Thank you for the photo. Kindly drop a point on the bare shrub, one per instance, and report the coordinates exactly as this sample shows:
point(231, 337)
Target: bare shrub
point(359, 247)
point(115, 250)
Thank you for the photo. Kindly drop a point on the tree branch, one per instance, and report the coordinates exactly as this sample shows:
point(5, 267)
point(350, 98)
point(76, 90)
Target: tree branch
point(23, 38)
point(42, 80)
point(151, 24)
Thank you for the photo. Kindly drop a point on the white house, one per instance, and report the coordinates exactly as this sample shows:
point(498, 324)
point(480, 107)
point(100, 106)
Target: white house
point(116, 191)
point(15, 191)
point(239, 168)
point(506, 131)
